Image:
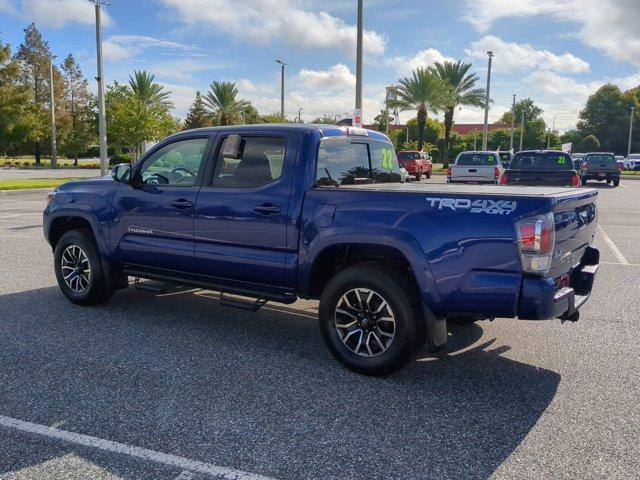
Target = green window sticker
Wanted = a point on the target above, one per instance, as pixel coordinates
(562, 160)
(387, 159)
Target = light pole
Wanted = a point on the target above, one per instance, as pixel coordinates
(102, 121)
(359, 59)
(521, 130)
(300, 115)
(475, 141)
(54, 149)
(282, 65)
(553, 129)
(486, 107)
(513, 121)
(630, 132)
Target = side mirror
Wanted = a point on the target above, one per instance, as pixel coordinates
(121, 172)
(232, 147)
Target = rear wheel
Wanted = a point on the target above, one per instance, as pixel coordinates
(418, 176)
(428, 175)
(616, 182)
(584, 180)
(368, 320)
(78, 269)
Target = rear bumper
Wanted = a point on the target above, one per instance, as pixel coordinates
(541, 300)
(602, 175)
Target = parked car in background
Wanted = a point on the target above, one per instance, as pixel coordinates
(475, 167)
(633, 161)
(620, 161)
(577, 160)
(541, 168)
(600, 166)
(416, 163)
(505, 158)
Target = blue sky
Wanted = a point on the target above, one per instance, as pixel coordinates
(557, 52)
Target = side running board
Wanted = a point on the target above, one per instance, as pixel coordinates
(242, 304)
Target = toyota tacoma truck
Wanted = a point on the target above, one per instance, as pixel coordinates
(600, 166)
(281, 212)
(541, 168)
(475, 167)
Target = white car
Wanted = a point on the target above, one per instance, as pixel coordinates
(475, 167)
(633, 162)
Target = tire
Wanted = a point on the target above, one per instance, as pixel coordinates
(608, 181)
(584, 180)
(376, 354)
(428, 175)
(616, 182)
(76, 255)
(418, 176)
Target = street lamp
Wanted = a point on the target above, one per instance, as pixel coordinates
(282, 65)
(553, 129)
(513, 122)
(102, 121)
(54, 146)
(630, 132)
(300, 115)
(486, 107)
(359, 59)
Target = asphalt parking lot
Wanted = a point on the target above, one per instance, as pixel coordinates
(175, 386)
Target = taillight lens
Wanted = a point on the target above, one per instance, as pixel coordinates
(584, 166)
(536, 241)
(496, 172)
(575, 180)
(503, 179)
(449, 172)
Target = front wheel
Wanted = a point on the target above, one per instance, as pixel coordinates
(428, 175)
(79, 270)
(369, 320)
(418, 176)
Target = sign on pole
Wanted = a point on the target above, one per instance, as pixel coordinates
(566, 148)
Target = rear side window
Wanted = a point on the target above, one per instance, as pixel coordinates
(258, 161)
(541, 161)
(600, 158)
(477, 159)
(408, 156)
(345, 162)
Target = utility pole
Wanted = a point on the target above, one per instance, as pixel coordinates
(102, 121)
(475, 141)
(513, 121)
(521, 130)
(54, 147)
(485, 135)
(553, 129)
(282, 65)
(359, 59)
(630, 132)
(300, 115)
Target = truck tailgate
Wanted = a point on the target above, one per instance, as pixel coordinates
(575, 222)
(551, 178)
(473, 173)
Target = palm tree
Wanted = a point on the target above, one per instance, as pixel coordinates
(424, 92)
(461, 91)
(221, 100)
(144, 88)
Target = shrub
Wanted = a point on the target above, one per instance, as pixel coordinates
(120, 158)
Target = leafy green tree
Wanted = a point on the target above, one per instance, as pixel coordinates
(198, 117)
(144, 87)
(590, 143)
(461, 91)
(382, 120)
(19, 122)
(606, 115)
(79, 109)
(223, 103)
(424, 92)
(534, 126)
(250, 115)
(33, 55)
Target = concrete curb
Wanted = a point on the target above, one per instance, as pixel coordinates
(24, 191)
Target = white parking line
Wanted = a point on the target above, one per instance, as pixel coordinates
(122, 448)
(623, 186)
(614, 248)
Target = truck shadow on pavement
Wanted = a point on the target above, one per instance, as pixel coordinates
(258, 392)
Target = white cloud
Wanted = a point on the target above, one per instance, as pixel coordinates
(338, 77)
(6, 6)
(608, 25)
(115, 52)
(422, 59)
(59, 13)
(513, 57)
(121, 47)
(266, 21)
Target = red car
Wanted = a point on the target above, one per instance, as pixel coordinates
(416, 163)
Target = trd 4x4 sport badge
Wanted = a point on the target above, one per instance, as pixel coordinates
(488, 206)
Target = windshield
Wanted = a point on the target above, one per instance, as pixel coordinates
(541, 161)
(408, 156)
(604, 158)
(476, 159)
(342, 161)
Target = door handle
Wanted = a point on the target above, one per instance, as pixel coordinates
(182, 204)
(267, 208)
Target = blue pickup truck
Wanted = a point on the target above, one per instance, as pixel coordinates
(280, 212)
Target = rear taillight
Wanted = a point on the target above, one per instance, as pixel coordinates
(503, 179)
(449, 172)
(575, 180)
(584, 166)
(536, 241)
(496, 172)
